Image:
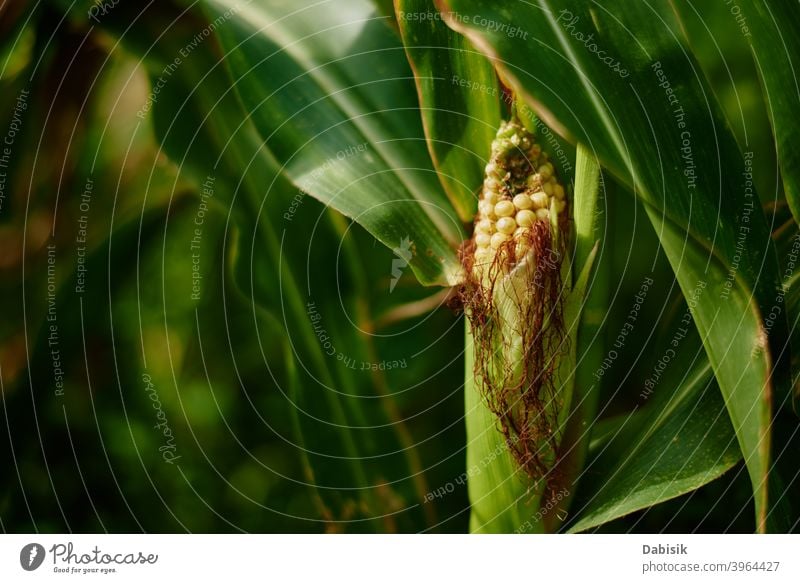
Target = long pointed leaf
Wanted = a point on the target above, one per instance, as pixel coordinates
(673, 448)
(773, 31)
(460, 98)
(333, 97)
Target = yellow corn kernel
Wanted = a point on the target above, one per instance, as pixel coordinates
(504, 208)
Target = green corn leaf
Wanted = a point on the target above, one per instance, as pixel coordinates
(773, 31)
(650, 129)
(676, 444)
(587, 198)
(459, 96)
(585, 309)
(336, 106)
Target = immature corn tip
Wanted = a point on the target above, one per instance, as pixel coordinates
(519, 189)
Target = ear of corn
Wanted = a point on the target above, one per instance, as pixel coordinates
(515, 294)
(520, 338)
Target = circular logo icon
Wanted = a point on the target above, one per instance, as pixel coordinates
(31, 556)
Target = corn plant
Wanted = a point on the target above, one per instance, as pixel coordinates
(490, 142)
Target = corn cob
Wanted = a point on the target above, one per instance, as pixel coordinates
(514, 293)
